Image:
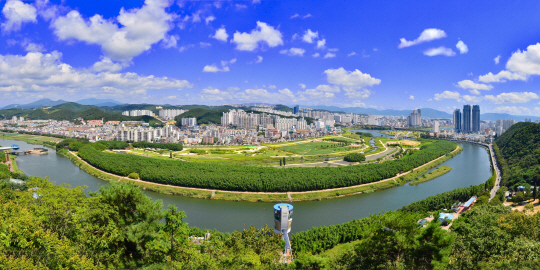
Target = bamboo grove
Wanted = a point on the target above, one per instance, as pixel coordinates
(258, 179)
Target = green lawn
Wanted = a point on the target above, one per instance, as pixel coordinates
(316, 148)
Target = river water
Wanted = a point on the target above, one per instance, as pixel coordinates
(471, 167)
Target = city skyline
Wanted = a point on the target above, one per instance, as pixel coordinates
(285, 52)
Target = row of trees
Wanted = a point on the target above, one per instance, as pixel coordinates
(257, 179)
(170, 146)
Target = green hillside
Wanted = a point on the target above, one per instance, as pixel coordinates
(204, 116)
(69, 112)
(520, 150)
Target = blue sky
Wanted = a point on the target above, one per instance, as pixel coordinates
(407, 55)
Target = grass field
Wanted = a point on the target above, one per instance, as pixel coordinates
(316, 148)
(31, 139)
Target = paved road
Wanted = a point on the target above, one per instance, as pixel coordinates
(495, 166)
(499, 175)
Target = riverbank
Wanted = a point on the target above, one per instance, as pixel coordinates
(432, 175)
(318, 195)
(31, 139)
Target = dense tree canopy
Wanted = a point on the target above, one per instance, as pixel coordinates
(170, 146)
(354, 157)
(518, 152)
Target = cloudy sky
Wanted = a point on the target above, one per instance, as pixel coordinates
(342, 53)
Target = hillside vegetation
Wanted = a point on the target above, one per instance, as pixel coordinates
(68, 111)
(519, 153)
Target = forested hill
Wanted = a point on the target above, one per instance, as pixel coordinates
(67, 113)
(520, 149)
(204, 116)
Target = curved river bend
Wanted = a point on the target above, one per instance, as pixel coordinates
(471, 167)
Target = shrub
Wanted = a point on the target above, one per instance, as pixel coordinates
(133, 175)
(354, 157)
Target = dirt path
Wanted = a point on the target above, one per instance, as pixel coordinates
(281, 193)
(8, 162)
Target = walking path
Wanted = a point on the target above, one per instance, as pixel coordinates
(495, 166)
(8, 162)
(289, 194)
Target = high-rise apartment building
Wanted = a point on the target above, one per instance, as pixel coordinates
(414, 119)
(189, 121)
(457, 121)
(507, 124)
(170, 114)
(296, 109)
(466, 125)
(138, 113)
(243, 120)
(475, 123)
(436, 126)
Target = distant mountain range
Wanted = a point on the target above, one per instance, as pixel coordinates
(426, 112)
(49, 103)
(115, 106)
(99, 102)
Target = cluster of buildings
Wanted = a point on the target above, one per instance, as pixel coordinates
(138, 113)
(414, 119)
(170, 113)
(167, 114)
(468, 121)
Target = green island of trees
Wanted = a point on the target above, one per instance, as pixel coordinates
(257, 179)
(354, 157)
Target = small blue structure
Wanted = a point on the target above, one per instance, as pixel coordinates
(445, 217)
(521, 188)
(15, 147)
(35, 195)
(469, 202)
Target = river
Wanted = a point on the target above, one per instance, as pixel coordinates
(471, 167)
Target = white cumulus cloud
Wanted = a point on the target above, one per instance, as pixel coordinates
(140, 29)
(462, 47)
(264, 33)
(411, 97)
(309, 36)
(329, 55)
(350, 79)
(497, 59)
(221, 34)
(502, 76)
(321, 43)
(315, 55)
(426, 36)
(46, 73)
(16, 13)
(214, 68)
(439, 51)
(106, 64)
(258, 60)
(468, 84)
(512, 110)
(512, 97)
(526, 62)
(448, 95)
(293, 52)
